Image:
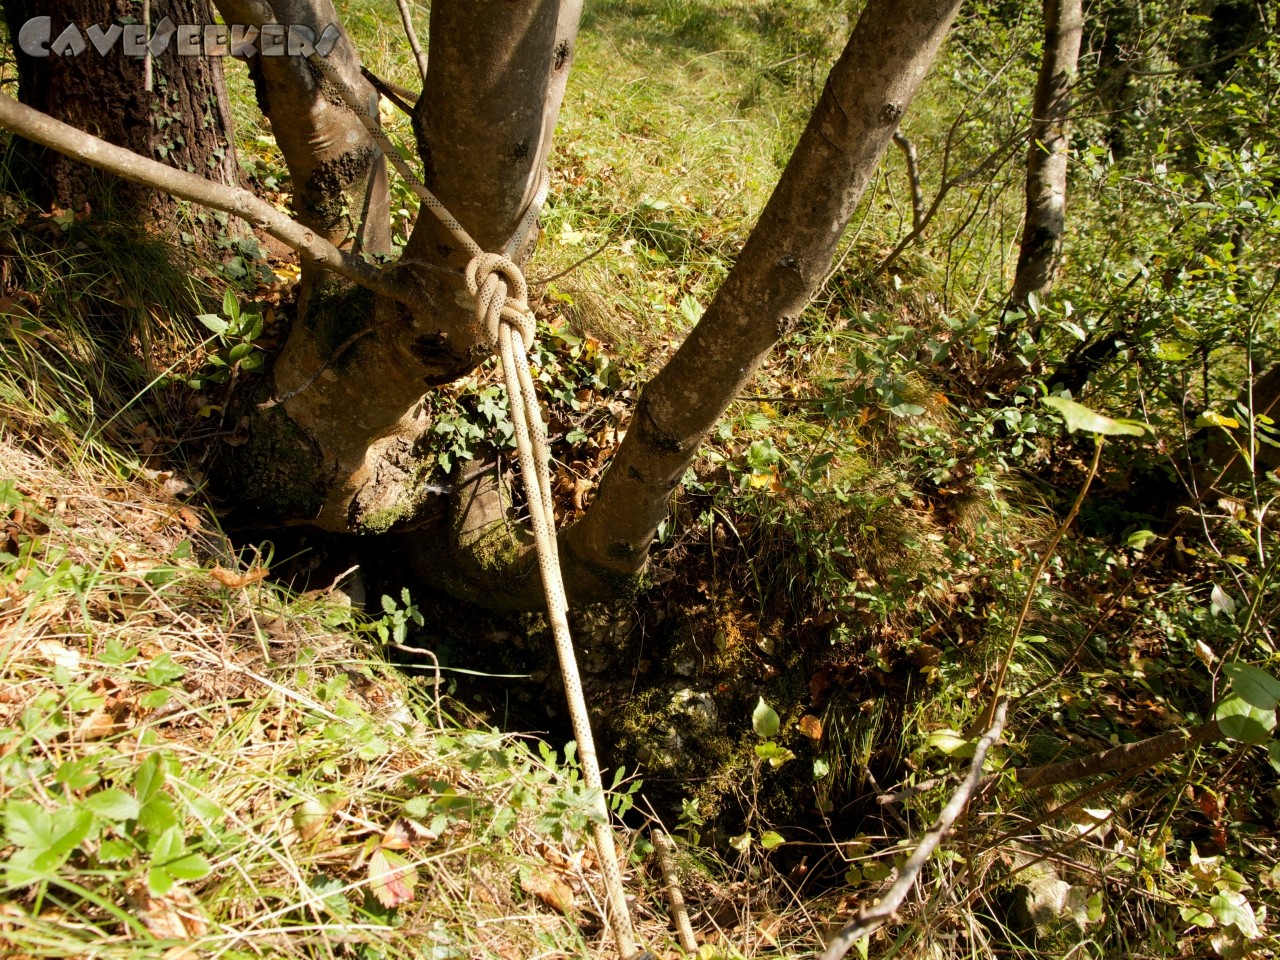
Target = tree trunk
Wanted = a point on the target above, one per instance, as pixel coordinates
(185, 121)
(1041, 252)
(334, 443)
(777, 273)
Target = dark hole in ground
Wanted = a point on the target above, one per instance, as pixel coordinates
(502, 668)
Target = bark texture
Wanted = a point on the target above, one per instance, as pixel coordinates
(347, 384)
(1040, 254)
(776, 275)
(185, 121)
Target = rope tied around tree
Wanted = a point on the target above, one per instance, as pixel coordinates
(506, 324)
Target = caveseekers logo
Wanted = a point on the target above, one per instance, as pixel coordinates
(188, 40)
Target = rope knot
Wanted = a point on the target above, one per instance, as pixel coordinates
(489, 277)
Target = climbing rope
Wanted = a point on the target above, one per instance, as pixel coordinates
(507, 326)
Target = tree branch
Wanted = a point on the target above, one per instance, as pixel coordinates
(51, 133)
(406, 17)
(913, 177)
(870, 919)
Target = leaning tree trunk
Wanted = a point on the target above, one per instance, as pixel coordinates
(1041, 252)
(778, 272)
(184, 121)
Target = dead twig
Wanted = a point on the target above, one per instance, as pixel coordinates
(406, 18)
(870, 919)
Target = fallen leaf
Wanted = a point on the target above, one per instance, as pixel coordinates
(234, 581)
(391, 878)
(551, 890)
(59, 655)
(811, 727)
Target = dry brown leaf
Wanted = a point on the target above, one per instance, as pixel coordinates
(175, 916)
(768, 929)
(811, 727)
(233, 580)
(548, 888)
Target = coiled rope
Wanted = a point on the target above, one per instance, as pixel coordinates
(507, 326)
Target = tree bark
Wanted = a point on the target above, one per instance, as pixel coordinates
(1040, 254)
(335, 444)
(184, 121)
(776, 275)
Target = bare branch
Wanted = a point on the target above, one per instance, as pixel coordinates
(870, 919)
(1131, 757)
(406, 17)
(913, 177)
(88, 149)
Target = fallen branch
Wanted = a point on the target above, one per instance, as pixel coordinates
(870, 919)
(1133, 757)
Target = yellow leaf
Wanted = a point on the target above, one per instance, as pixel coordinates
(569, 237)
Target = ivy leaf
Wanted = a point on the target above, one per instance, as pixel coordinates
(1253, 685)
(764, 720)
(1238, 719)
(1079, 417)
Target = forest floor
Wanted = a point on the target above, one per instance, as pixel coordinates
(240, 745)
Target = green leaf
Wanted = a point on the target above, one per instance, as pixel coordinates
(764, 720)
(1079, 417)
(1139, 539)
(769, 839)
(48, 838)
(820, 768)
(1253, 684)
(114, 851)
(214, 322)
(1238, 719)
(114, 653)
(114, 805)
(78, 774)
(1233, 910)
(742, 842)
(239, 352)
(1273, 755)
(171, 862)
(163, 671)
(1220, 602)
(950, 743)
(1198, 916)
(230, 306)
(24, 823)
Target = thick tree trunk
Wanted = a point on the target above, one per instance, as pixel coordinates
(185, 121)
(334, 445)
(776, 275)
(1041, 252)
